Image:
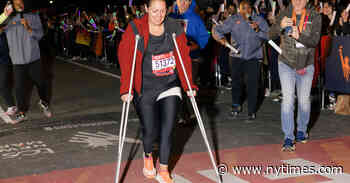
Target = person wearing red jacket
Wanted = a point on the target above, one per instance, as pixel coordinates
(158, 79)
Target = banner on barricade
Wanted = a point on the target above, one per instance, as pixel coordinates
(338, 66)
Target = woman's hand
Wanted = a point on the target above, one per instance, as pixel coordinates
(8, 10)
(125, 97)
(286, 22)
(345, 16)
(194, 93)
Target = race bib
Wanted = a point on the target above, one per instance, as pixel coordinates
(163, 64)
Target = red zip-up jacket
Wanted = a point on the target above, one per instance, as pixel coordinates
(126, 51)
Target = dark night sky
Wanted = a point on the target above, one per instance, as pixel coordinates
(64, 5)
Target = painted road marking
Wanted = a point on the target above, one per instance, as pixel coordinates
(19, 150)
(227, 178)
(82, 125)
(180, 179)
(99, 139)
(91, 68)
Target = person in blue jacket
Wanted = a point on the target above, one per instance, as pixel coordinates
(198, 38)
(195, 29)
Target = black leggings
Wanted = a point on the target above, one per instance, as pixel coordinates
(5, 84)
(22, 74)
(157, 120)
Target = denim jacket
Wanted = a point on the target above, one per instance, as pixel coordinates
(243, 36)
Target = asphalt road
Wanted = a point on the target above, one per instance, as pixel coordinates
(83, 132)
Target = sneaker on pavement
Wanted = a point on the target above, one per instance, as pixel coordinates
(163, 176)
(288, 145)
(19, 117)
(276, 99)
(301, 137)
(251, 117)
(148, 167)
(11, 111)
(227, 86)
(45, 108)
(236, 109)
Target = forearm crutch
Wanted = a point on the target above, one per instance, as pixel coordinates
(125, 114)
(195, 108)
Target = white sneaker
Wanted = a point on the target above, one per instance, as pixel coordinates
(11, 111)
(75, 58)
(45, 109)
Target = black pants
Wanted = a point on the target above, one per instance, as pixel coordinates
(83, 50)
(157, 120)
(250, 69)
(273, 67)
(6, 84)
(33, 72)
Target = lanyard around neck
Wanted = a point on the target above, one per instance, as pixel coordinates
(302, 22)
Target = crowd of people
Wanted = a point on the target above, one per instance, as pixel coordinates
(227, 41)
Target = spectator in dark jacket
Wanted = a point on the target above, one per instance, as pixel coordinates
(343, 27)
(5, 75)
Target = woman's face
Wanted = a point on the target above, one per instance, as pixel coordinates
(299, 4)
(327, 9)
(156, 12)
(18, 5)
(183, 5)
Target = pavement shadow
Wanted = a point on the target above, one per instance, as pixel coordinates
(206, 103)
(181, 135)
(315, 113)
(212, 113)
(132, 154)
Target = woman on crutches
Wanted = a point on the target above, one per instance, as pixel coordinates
(157, 79)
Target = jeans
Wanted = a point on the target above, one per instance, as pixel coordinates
(289, 81)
